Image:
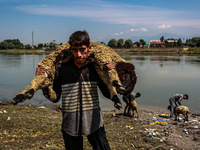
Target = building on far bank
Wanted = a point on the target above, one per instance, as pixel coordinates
(156, 43)
(146, 46)
(137, 44)
(170, 42)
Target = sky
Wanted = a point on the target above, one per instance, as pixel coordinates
(56, 20)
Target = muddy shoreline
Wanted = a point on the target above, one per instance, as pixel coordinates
(33, 127)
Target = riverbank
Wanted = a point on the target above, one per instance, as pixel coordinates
(24, 51)
(159, 51)
(136, 51)
(32, 127)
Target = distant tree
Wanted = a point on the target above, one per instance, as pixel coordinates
(193, 42)
(28, 46)
(143, 42)
(198, 44)
(180, 42)
(4, 45)
(186, 41)
(45, 45)
(52, 45)
(102, 43)
(17, 44)
(162, 39)
(120, 43)
(11, 45)
(128, 43)
(112, 43)
(40, 46)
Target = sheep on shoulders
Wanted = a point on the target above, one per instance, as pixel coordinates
(99, 55)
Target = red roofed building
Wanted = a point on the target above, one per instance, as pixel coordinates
(156, 43)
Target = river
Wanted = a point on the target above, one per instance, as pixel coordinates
(159, 77)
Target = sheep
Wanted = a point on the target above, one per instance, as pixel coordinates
(99, 55)
(181, 110)
(132, 106)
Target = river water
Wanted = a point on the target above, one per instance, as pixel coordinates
(159, 77)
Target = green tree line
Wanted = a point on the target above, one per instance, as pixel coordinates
(113, 43)
(121, 43)
(16, 44)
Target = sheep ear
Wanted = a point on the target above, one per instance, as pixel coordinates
(90, 47)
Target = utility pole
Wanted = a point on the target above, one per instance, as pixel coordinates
(32, 39)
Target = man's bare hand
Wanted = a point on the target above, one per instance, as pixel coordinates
(40, 70)
(110, 66)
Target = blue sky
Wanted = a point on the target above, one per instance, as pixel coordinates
(103, 19)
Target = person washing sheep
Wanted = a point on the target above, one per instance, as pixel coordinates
(175, 100)
(129, 96)
(76, 81)
(131, 104)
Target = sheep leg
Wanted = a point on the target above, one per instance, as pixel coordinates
(30, 90)
(104, 77)
(50, 94)
(186, 117)
(136, 109)
(133, 113)
(115, 81)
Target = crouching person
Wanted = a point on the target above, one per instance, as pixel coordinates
(175, 100)
(131, 104)
(77, 82)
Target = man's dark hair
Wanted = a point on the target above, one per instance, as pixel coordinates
(79, 38)
(138, 94)
(186, 96)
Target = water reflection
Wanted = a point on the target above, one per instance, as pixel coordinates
(159, 77)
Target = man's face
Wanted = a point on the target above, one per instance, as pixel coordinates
(80, 54)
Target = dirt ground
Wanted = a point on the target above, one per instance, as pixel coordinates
(31, 127)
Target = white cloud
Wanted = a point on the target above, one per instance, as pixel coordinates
(116, 34)
(164, 26)
(115, 13)
(120, 33)
(144, 29)
(132, 30)
(138, 29)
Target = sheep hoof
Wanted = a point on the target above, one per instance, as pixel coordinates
(29, 94)
(18, 98)
(118, 105)
(120, 89)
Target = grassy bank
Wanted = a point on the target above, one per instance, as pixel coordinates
(136, 51)
(23, 51)
(29, 127)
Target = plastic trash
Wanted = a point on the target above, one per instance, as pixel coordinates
(8, 118)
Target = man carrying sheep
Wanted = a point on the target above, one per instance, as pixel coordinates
(176, 98)
(77, 82)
